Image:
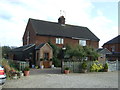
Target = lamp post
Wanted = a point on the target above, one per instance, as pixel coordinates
(63, 54)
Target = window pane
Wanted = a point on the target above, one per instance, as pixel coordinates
(62, 41)
(82, 42)
(59, 41)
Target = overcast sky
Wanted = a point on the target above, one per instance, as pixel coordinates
(100, 16)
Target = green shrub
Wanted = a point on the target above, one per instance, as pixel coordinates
(96, 66)
(36, 67)
(67, 68)
(84, 65)
(26, 69)
(106, 66)
(56, 62)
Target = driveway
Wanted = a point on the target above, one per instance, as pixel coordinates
(73, 80)
(45, 71)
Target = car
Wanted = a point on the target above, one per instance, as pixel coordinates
(2, 75)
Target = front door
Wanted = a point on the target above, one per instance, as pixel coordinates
(46, 56)
(46, 60)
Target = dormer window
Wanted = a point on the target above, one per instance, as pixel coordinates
(59, 40)
(28, 37)
(82, 42)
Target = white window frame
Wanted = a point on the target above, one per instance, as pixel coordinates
(59, 41)
(82, 42)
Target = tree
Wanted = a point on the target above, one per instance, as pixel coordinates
(80, 52)
(5, 51)
(76, 52)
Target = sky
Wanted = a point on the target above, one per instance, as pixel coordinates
(100, 16)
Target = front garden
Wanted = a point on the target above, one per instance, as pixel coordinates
(14, 69)
(78, 59)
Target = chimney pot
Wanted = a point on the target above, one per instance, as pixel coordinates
(61, 20)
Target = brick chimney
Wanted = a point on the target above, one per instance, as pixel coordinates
(61, 20)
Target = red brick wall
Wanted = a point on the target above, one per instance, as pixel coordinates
(32, 34)
(93, 44)
(109, 47)
(73, 42)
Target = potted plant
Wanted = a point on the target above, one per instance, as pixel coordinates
(26, 71)
(84, 67)
(42, 66)
(67, 70)
(36, 67)
(106, 67)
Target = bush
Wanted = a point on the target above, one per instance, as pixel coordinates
(37, 67)
(84, 65)
(106, 66)
(56, 62)
(96, 66)
(67, 68)
(26, 69)
(9, 66)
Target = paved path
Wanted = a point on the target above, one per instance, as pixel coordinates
(73, 80)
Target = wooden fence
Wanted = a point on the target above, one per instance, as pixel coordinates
(75, 66)
(113, 65)
(20, 65)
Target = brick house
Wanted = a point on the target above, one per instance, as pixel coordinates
(113, 45)
(40, 32)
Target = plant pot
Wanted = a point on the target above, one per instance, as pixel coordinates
(42, 67)
(105, 70)
(52, 66)
(26, 73)
(14, 76)
(33, 66)
(67, 71)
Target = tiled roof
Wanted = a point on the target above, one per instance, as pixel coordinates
(114, 40)
(46, 28)
(23, 48)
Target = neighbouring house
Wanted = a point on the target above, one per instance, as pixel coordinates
(39, 33)
(113, 45)
(103, 52)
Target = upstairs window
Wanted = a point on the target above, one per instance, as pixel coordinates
(59, 41)
(82, 42)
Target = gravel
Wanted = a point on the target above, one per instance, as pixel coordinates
(72, 80)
